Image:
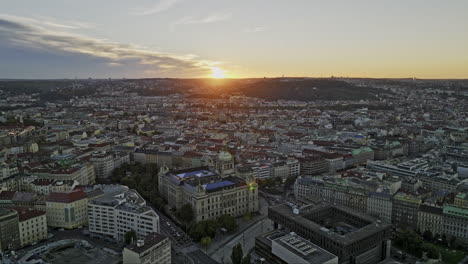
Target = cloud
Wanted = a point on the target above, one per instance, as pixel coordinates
(212, 18)
(159, 7)
(39, 35)
(256, 29)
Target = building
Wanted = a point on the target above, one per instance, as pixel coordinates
(455, 221)
(294, 167)
(80, 172)
(153, 249)
(32, 226)
(120, 210)
(380, 205)
(67, 210)
(103, 164)
(313, 165)
(46, 186)
(210, 193)
(281, 248)
(355, 237)
(9, 232)
(405, 210)
(461, 200)
(431, 218)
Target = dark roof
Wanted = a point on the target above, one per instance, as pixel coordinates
(430, 209)
(66, 197)
(27, 213)
(7, 195)
(150, 240)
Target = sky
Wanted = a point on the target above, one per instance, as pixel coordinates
(233, 38)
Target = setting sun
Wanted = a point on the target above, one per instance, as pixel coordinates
(217, 73)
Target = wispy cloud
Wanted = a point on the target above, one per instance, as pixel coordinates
(256, 29)
(159, 7)
(212, 18)
(36, 34)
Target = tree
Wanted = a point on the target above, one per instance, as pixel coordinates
(444, 239)
(186, 213)
(227, 222)
(247, 216)
(237, 254)
(427, 235)
(431, 250)
(203, 229)
(205, 242)
(452, 241)
(289, 181)
(130, 236)
(246, 259)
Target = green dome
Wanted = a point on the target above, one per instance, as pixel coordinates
(224, 156)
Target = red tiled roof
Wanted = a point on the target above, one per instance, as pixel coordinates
(27, 213)
(66, 197)
(7, 195)
(43, 182)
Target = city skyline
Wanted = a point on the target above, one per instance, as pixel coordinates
(241, 39)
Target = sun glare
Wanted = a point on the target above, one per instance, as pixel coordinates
(217, 73)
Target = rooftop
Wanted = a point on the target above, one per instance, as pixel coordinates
(149, 241)
(66, 197)
(341, 224)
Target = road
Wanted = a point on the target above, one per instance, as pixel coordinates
(178, 237)
(199, 257)
(246, 239)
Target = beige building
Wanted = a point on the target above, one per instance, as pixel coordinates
(67, 210)
(32, 226)
(154, 249)
(211, 192)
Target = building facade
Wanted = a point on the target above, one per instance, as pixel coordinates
(153, 249)
(67, 210)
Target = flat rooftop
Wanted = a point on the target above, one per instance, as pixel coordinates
(345, 225)
(297, 245)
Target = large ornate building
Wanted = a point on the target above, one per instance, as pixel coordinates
(211, 190)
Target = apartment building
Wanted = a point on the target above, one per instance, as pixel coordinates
(9, 232)
(32, 226)
(67, 210)
(119, 210)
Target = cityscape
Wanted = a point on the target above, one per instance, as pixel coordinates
(113, 151)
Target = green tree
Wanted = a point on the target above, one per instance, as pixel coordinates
(427, 235)
(444, 239)
(227, 222)
(130, 236)
(247, 216)
(431, 250)
(452, 241)
(205, 242)
(289, 181)
(185, 213)
(246, 259)
(237, 254)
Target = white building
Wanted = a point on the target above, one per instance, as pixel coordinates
(120, 210)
